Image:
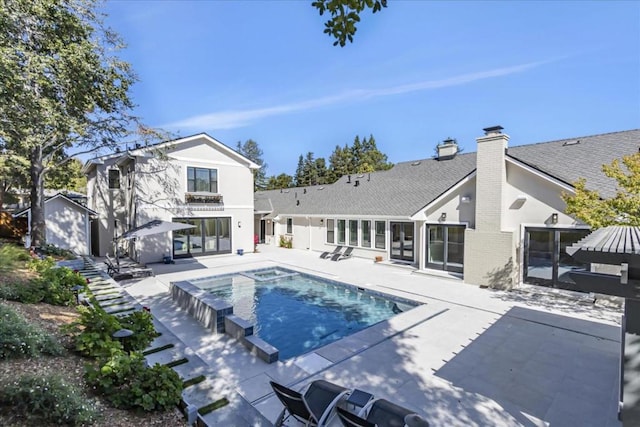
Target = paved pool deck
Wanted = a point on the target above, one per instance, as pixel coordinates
(466, 357)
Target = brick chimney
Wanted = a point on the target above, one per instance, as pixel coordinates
(490, 257)
(447, 149)
(491, 179)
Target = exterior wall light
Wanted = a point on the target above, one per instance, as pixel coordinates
(443, 216)
(239, 224)
(554, 218)
(321, 221)
(465, 199)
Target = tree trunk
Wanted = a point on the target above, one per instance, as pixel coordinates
(36, 172)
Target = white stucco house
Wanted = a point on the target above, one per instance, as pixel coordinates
(195, 180)
(67, 224)
(494, 217)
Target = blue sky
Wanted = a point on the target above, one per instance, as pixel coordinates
(417, 73)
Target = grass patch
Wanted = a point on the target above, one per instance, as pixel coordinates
(213, 406)
(193, 381)
(157, 349)
(177, 363)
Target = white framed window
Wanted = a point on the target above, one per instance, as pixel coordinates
(365, 227)
(380, 234)
(289, 225)
(353, 232)
(331, 233)
(114, 179)
(341, 231)
(202, 180)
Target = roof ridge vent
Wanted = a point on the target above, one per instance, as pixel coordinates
(571, 142)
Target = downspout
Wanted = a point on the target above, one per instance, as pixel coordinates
(87, 231)
(310, 232)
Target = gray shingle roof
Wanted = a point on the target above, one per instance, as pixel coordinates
(398, 192)
(583, 157)
(409, 186)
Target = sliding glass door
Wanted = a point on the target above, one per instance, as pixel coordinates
(209, 236)
(445, 247)
(546, 261)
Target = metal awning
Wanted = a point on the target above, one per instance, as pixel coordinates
(154, 227)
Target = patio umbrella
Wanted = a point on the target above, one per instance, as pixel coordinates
(154, 227)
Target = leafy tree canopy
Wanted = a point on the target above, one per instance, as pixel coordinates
(362, 157)
(281, 181)
(622, 209)
(345, 14)
(62, 88)
(67, 177)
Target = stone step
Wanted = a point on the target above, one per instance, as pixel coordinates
(105, 291)
(165, 356)
(123, 300)
(109, 297)
(238, 412)
(120, 309)
(203, 393)
(192, 369)
(103, 284)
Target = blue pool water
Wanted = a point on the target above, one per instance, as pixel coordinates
(297, 313)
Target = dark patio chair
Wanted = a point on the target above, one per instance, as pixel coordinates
(346, 254)
(327, 254)
(314, 407)
(381, 413)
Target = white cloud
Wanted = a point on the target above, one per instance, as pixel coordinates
(231, 119)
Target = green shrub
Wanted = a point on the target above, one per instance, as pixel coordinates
(94, 329)
(13, 255)
(52, 250)
(47, 400)
(127, 383)
(141, 324)
(92, 332)
(57, 283)
(40, 265)
(53, 285)
(18, 338)
(29, 292)
(286, 242)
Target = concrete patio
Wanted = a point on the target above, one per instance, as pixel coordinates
(467, 357)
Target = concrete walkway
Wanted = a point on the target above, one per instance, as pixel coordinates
(467, 357)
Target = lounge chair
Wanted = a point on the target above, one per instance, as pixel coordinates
(327, 254)
(313, 408)
(346, 254)
(381, 413)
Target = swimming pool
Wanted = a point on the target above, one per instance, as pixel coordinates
(297, 312)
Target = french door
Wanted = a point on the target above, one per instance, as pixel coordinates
(210, 236)
(546, 261)
(402, 241)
